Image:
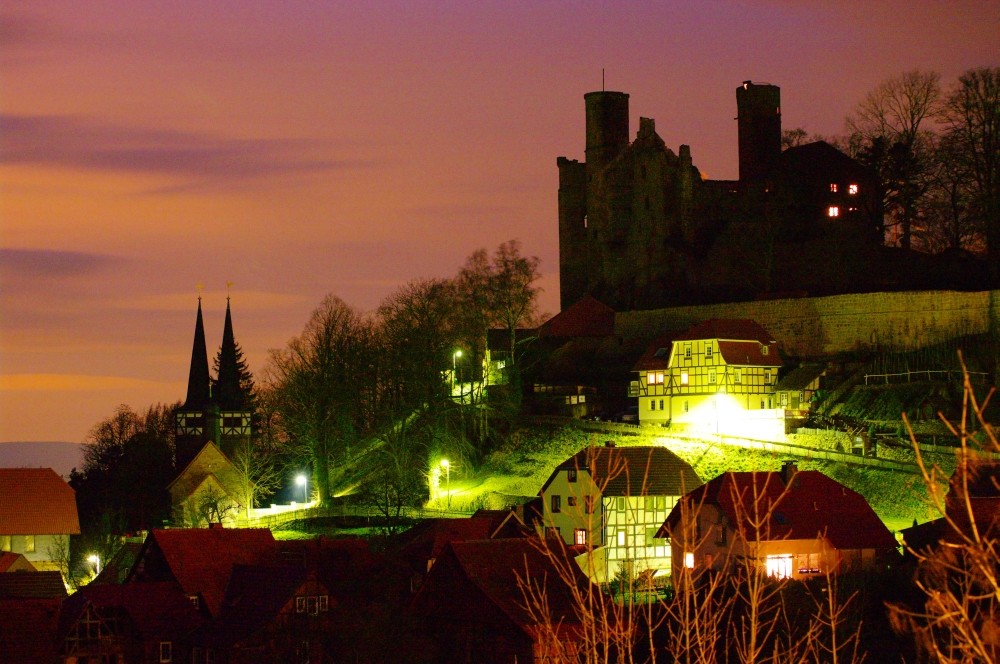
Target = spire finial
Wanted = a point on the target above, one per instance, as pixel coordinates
(229, 286)
(199, 287)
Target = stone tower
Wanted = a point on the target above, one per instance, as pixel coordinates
(758, 113)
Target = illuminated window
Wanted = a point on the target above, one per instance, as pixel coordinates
(737, 376)
(684, 378)
(29, 543)
(654, 378)
(833, 211)
(689, 560)
(780, 567)
(767, 376)
(579, 536)
(621, 538)
(571, 475)
(764, 349)
(4, 542)
(711, 375)
(166, 651)
(833, 187)
(852, 189)
(556, 503)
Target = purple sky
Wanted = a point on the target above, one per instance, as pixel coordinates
(303, 148)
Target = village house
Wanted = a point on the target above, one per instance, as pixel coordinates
(610, 501)
(37, 516)
(793, 524)
(717, 377)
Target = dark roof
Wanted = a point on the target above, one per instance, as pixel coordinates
(36, 501)
(201, 559)
(157, 611)
(800, 377)
(632, 471)
(209, 461)
(730, 329)
(814, 505)
(32, 585)
(657, 355)
(587, 317)
(749, 354)
(28, 629)
(496, 568)
(428, 539)
(118, 567)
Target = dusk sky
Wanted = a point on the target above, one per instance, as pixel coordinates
(297, 149)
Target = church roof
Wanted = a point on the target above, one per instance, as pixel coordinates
(199, 381)
(228, 395)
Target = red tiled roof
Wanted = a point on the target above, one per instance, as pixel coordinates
(36, 501)
(586, 317)
(748, 354)
(657, 355)
(14, 562)
(633, 471)
(201, 559)
(32, 584)
(159, 611)
(814, 505)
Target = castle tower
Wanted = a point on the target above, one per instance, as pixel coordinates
(758, 110)
(574, 253)
(229, 396)
(607, 129)
(193, 424)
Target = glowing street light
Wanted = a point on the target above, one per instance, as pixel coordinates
(95, 560)
(303, 482)
(454, 364)
(447, 478)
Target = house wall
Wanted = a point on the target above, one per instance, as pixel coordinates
(807, 327)
(632, 522)
(47, 553)
(570, 517)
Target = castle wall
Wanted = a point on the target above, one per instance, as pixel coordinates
(806, 327)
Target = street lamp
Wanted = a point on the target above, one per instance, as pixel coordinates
(95, 560)
(454, 363)
(303, 482)
(447, 478)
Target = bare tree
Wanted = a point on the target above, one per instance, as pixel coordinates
(258, 471)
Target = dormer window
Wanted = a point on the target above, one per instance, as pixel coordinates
(852, 189)
(764, 349)
(708, 352)
(687, 351)
(833, 211)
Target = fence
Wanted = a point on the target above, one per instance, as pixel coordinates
(939, 375)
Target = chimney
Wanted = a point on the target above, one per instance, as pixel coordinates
(788, 470)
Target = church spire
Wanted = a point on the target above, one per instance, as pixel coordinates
(199, 389)
(228, 394)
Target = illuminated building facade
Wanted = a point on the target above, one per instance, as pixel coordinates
(717, 377)
(610, 501)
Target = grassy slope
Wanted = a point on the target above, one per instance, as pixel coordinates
(521, 467)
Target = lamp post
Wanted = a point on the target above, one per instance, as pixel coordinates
(95, 560)
(303, 482)
(454, 365)
(447, 479)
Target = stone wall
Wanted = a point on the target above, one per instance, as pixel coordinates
(809, 327)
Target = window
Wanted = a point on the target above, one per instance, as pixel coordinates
(312, 604)
(620, 500)
(4, 542)
(767, 376)
(711, 375)
(685, 406)
(571, 501)
(556, 503)
(579, 536)
(588, 504)
(689, 560)
(833, 211)
(661, 404)
(324, 602)
(621, 538)
(852, 189)
(29, 543)
(721, 539)
(687, 351)
(654, 378)
(651, 537)
(833, 187)
(571, 475)
(166, 651)
(737, 376)
(194, 600)
(684, 378)
(300, 605)
(765, 349)
(652, 404)
(708, 352)
(780, 567)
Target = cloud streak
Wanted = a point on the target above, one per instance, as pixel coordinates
(17, 264)
(86, 144)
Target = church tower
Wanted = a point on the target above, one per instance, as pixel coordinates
(193, 422)
(230, 395)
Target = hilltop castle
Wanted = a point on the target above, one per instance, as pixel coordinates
(218, 411)
(639, 228)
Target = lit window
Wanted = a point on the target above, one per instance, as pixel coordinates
(833, 187)
(621, 538)
(833, 211)
(166, 651)
(571, 475)
(684, 378)
(780, 567)
(654, 378)
(579, 536)
(29, 543)
(852, 189)
(767, 376)
(556, 503)
(764, 349)
(689, 560)
(737, 376)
